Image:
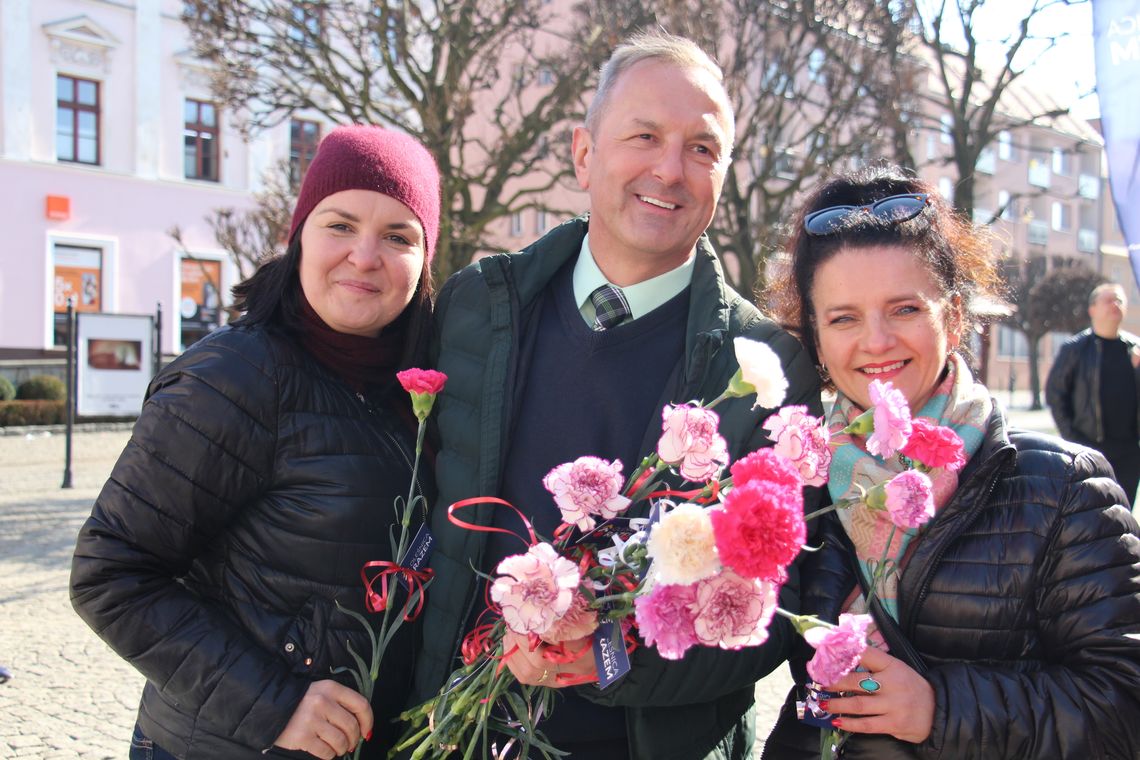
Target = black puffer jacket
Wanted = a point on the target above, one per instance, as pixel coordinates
(1014, 605)
(254, 487)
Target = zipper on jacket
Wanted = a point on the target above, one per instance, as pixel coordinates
(393, 440)
(965, 522)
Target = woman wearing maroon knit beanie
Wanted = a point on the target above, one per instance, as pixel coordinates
(261, 476)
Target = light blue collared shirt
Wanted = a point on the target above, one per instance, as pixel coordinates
(643, 297)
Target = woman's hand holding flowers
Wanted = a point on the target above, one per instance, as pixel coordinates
(329, 721)
(903, 705)
(540, 663)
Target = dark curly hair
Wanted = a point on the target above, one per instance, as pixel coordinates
(958, 255)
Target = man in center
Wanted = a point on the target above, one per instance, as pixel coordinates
(572, 347)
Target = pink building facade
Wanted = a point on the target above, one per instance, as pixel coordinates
(111, 146)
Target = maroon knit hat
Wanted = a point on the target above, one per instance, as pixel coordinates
(363, 157)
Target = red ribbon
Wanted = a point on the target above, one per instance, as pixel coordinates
(490, 528)
(637, 484)
(378, 602)
(695, 494)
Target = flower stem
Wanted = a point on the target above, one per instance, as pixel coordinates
(877, 574)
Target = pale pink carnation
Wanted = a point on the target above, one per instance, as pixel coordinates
(682, 545)
(690, 441)
(580, 620)
(802, 439)
(837, 650)
(760, 530)
(892, 419)
(767, 466)
(910, 499)
(761, 368)
(935, 445)
(586, 487)
(733, 612)
(534, 590)
(665, 619)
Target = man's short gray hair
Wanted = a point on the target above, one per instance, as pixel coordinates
(1103, 287)
(655, 46)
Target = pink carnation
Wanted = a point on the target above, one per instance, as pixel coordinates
(580, 620)
(665, 619)
(733, 612)
(534, 590)
(760, 530)
(801, 438)
(690, 440)
(910, 499)
(892, 419)
(586, 487)
(837, 650)
(766, 466)
(422, 380)
(934, 445)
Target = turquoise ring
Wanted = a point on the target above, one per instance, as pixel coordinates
(869, 684)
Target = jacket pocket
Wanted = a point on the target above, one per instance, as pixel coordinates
(305, 644)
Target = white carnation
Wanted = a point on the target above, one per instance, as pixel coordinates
(760, 367)
(683, 547)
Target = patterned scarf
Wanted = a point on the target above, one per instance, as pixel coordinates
(957, 403)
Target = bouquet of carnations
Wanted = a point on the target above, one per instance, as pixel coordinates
(411, 553)
(704, 569)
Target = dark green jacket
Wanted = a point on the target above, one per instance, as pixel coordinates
(696, 708)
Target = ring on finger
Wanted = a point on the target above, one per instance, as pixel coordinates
(542, 678)
(870, 685)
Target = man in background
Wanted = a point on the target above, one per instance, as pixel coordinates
(1093, 391)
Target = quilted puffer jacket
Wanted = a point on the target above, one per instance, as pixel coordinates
(254, 487)
(1015, 605)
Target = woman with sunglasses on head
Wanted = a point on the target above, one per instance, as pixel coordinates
(1008, 627)
(224, 553)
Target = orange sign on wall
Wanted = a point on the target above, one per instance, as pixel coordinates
(58, 207)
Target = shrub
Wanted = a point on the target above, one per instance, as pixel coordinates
(13, 413)
(7, 390)
(42, 388)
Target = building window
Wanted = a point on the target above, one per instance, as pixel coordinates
(201, 299)
(516, 224)
(200, 150)
(308, 23)
(78, 274)
(946, 188)
(1012, 343)
(947, 129)
(1062, 162)
(815, 62)
(1005, 206)
(77, 120)
(545, 77)
(1007, 151)
(1061, 220)
(540, 221)
(303, 138)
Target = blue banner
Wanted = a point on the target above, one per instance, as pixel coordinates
(1116, 35)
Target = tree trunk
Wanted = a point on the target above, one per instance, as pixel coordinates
(1034, 372)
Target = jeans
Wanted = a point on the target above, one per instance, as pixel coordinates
(143, 748)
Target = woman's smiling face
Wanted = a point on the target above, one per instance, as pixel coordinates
(880, 315)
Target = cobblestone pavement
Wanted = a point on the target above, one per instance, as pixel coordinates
(70, 696)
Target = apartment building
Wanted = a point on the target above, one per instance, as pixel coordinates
(113, 153)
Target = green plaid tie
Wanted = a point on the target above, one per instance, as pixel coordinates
(610, 306)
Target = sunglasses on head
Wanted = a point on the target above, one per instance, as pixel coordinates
(893, 210)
